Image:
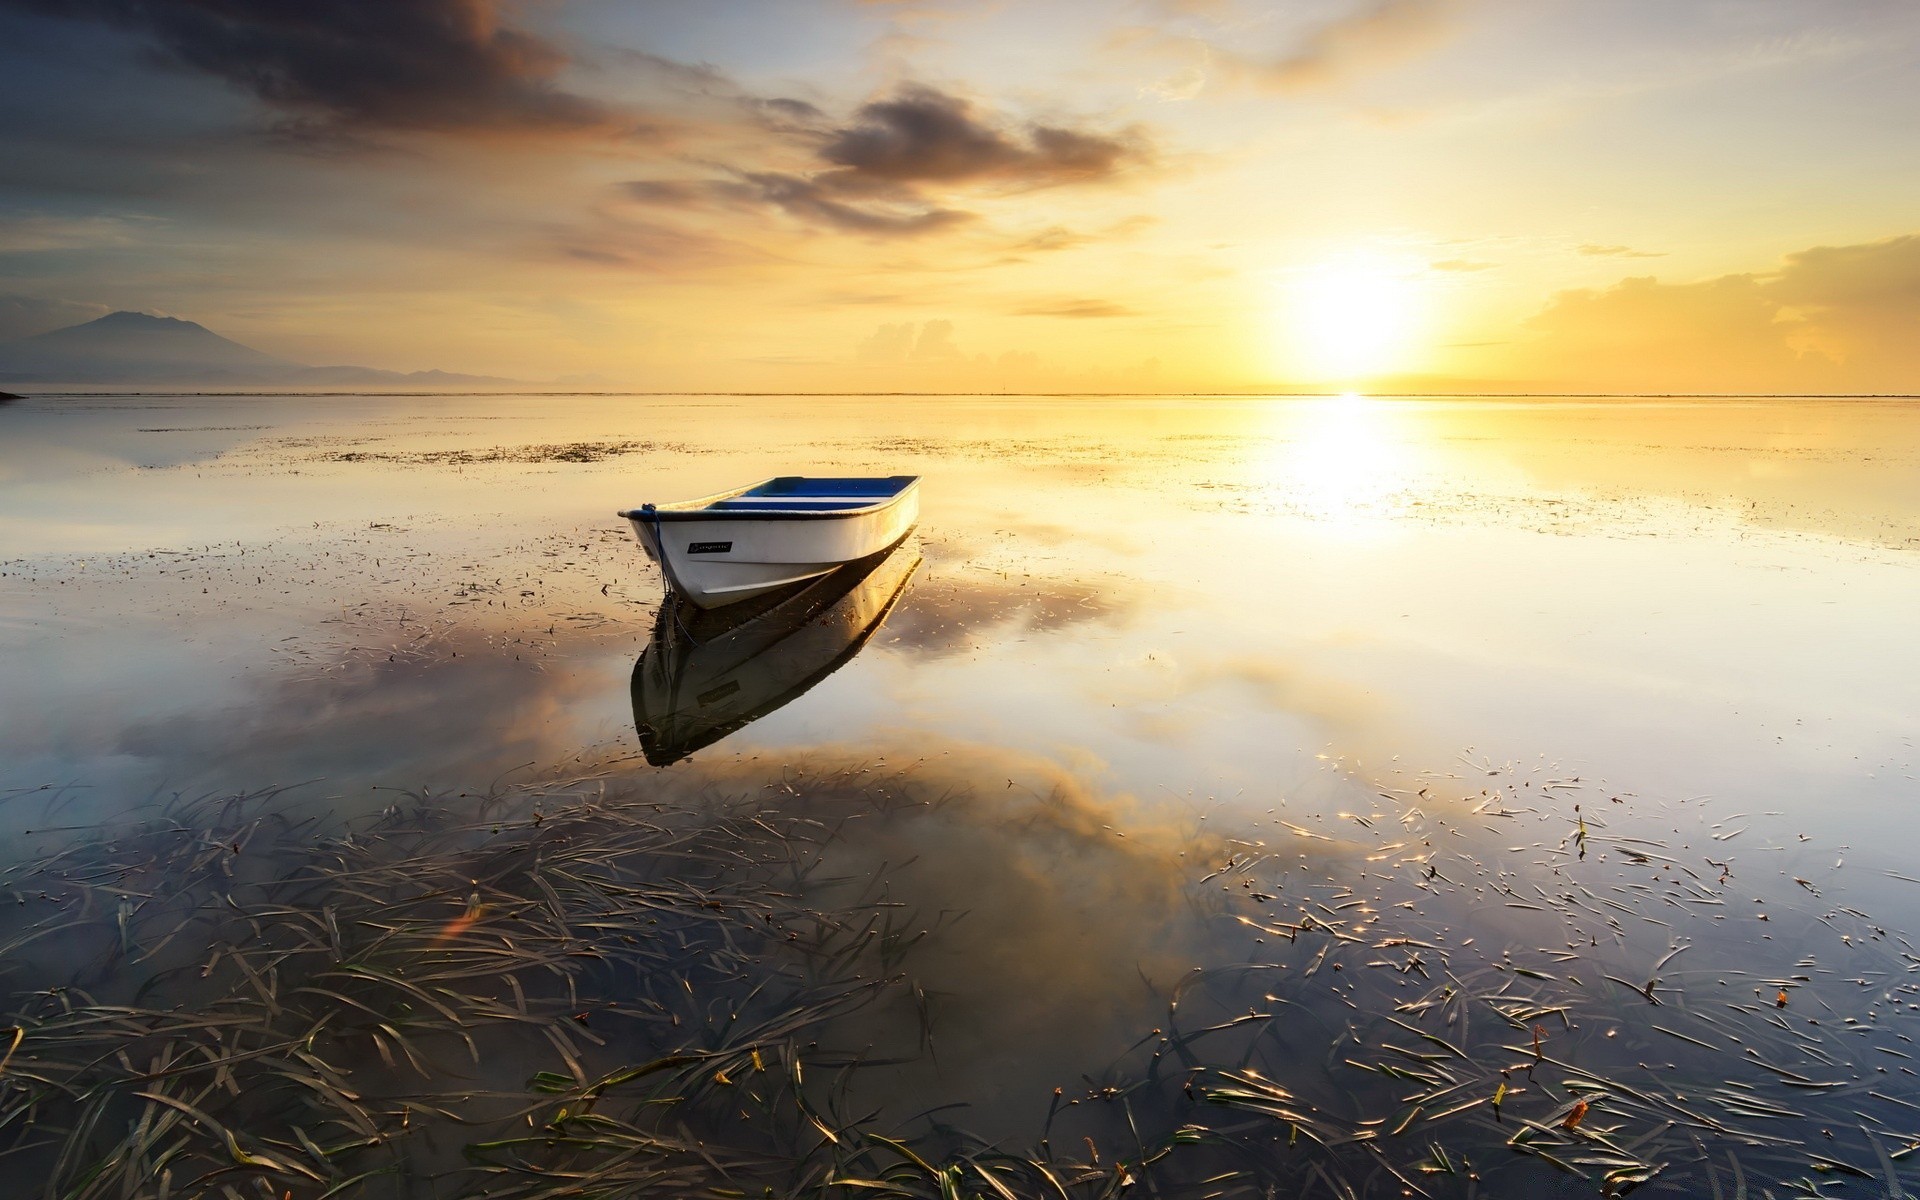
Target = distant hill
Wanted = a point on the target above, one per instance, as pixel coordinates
(133, 348)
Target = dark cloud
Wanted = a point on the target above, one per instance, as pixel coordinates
(878, 175)
(921, 135)
(821, 201)
(360, 65)
(1077, 308)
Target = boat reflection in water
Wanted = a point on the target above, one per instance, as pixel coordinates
(707, 673)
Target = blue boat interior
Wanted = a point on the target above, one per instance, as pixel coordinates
(813, 494)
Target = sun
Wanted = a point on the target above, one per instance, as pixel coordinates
(1351, 318)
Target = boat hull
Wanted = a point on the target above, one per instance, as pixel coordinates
(717, 558)
(694, 685)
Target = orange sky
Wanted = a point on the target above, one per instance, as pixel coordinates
(817, 196)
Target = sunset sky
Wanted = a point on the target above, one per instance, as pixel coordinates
(1607, 195)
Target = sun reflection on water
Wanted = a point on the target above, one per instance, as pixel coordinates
(1345, 460)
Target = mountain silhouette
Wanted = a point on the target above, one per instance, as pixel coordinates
(134, 343)
(129, 347)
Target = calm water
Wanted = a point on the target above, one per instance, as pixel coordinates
(1362, 720)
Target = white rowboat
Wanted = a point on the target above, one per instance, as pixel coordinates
(732, 546)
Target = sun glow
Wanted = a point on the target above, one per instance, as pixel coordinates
(1345, 461)
(1352, 318)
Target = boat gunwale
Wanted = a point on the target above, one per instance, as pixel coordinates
(699, 510)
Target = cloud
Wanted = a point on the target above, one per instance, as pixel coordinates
(786, 108)
(883, 173)
(1077, 308)
(1641, 333)
(1059, 237)
(922, 135)
(1384, 32)
(1860, 304)
(42, 231)
(898, 343)
(935, 343)
(820, 202)
(1368, 38)
(1593, 250)
(642, 245)
(1878, 279)
(896, 213)
(668, 193)
(1460, 264)
(347, 64)
(1054, 237)
(1832, 318)
(889, 343)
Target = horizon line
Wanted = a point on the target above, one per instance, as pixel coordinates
(1230, 395)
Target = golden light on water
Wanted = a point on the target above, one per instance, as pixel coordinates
(1352, 318)
(1343, 459)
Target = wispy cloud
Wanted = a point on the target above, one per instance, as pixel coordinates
(821, 200)
(1076, 308)
(1372, 36)
(1594, 250)
(1379, 34)
(1059, 237)
(42, 231)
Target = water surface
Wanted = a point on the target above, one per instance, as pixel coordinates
(1341, 722)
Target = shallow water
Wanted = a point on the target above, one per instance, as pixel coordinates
(1511, 698)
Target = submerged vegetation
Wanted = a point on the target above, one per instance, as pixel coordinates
(596, 989)
(572, 452)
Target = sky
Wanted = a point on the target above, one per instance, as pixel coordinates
(860, 195)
